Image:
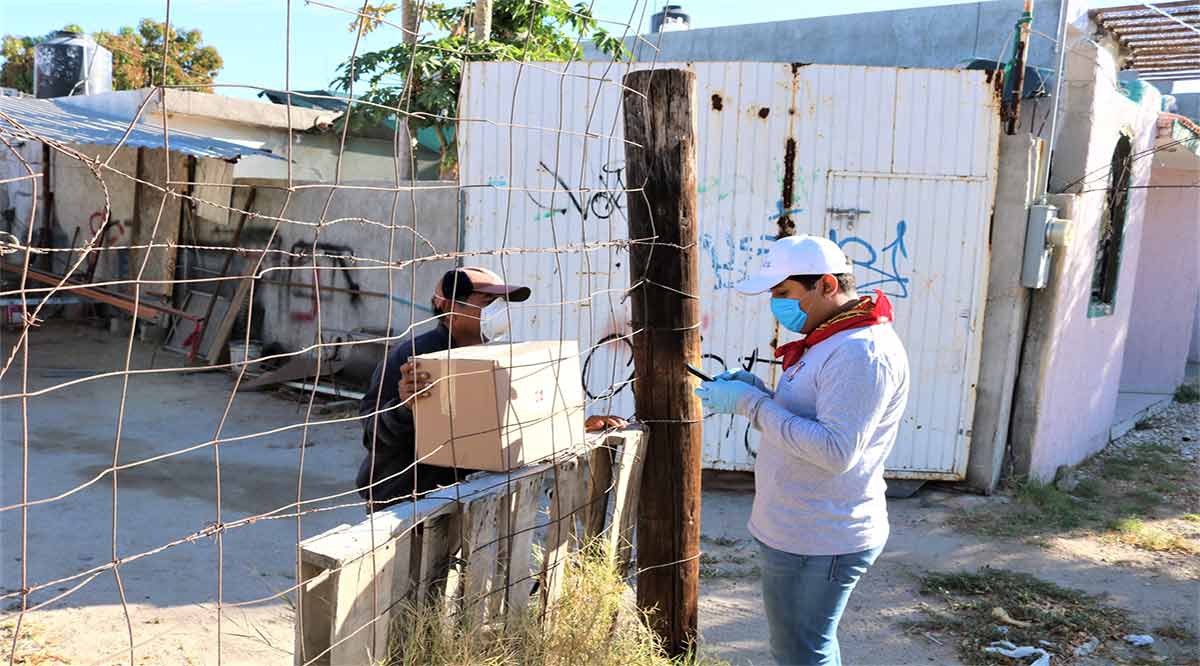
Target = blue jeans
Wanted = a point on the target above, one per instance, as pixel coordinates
(804, 597)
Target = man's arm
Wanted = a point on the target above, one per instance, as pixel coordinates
(853, 389)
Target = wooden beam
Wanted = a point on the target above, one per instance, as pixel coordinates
(144, 310)
(660, 158)
(217, 350)
(237, 238)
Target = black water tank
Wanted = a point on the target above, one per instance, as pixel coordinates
(71, 63)
(672, 17)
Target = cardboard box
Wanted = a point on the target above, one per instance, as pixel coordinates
(501, 406)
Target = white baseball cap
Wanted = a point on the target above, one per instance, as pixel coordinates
(796, 255)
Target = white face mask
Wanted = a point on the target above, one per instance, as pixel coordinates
(494, 320)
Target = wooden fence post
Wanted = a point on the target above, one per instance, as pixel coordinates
(660, 160)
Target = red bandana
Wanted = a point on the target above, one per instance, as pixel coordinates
(865, 313)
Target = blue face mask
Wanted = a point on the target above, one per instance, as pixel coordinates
(788, 313)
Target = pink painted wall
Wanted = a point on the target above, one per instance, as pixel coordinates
(1074, 382)
(1168, 279)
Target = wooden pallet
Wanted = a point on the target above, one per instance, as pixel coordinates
(468, 549)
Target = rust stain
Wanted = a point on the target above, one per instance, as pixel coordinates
(764, 112)
(786, 226)
(717, 102)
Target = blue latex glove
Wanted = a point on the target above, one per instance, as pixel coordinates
(744, 377)
(722, 396)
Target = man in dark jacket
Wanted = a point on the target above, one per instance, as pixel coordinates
(470, 304)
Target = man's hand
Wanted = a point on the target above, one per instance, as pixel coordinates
(745, 377)
(413, 382)
(723, 396)
(599, 423)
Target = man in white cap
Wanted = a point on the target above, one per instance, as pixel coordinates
(471, 305)
(820, 515)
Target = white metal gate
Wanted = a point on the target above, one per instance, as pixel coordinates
(896, 165)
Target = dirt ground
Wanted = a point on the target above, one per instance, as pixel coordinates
(171, 595)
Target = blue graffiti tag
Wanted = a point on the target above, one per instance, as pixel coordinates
(884, 276)
(780, 211)
(734, 266)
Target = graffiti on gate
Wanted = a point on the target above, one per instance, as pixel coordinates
(730, 257)
(601, 202)
(882, 266)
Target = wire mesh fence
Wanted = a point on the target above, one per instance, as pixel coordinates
(297, 266)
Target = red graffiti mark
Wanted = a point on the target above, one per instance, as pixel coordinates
(108, 239)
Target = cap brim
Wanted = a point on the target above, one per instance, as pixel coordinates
(509, 292)
(759, 284)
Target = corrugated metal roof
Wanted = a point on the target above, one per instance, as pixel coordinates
(1162, 40)
(37, 119)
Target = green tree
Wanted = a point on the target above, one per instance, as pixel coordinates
(522, 30)
(137, 57)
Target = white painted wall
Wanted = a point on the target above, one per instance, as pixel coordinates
(914, 148)
(260, 125)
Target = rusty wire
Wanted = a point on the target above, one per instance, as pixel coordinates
(304, 260)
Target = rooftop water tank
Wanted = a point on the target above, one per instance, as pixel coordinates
(71, 63)
(672, 17)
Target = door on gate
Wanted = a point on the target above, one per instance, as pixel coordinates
(897, 165)
(908, 238)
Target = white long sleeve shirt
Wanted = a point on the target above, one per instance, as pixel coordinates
(833, 419)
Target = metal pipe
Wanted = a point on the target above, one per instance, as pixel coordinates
(1018, 70)
(1044, 186)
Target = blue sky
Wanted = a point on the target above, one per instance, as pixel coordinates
(250, 34)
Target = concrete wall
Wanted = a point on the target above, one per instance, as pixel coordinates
(80, 200)
(1005, 313)
(351, 226)
(1168, 278)
(22, 196)
(260, 125)
(1055, 423)
(314, 156)
(925, 37)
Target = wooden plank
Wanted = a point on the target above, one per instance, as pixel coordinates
(314, 625)
(346, 542)
(630, 454)
(481, 532)
(568, 494)
(439, 540)
(600, 477)
(218, 349)
(521, 518)
(297, 367)
(424, 534)
(403, 581)
(237, 239)
(362, 597)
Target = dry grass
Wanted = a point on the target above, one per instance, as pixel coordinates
(32, 649)
(594, 622)
(1142, 496)
(1042, 610)
(1135, 532)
